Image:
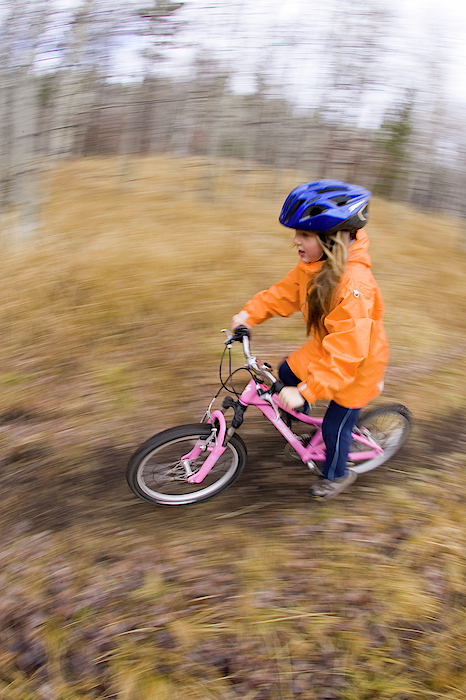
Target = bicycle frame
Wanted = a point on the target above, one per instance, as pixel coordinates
(314, 451)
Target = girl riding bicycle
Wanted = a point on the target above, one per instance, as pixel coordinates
(345, 357)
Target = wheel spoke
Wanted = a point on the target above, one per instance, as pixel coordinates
(388, 427)
(158, 473)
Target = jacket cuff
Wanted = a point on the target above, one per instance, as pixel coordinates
(308, 394)
(249, 320)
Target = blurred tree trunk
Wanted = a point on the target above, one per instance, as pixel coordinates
(208, 118)
(157, 24)
(431, 130)
(356, 52)
(20, 167)
(25, 167)
(77, 86)
(394, 148)
(128, 100)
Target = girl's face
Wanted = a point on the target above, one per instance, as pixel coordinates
(308, 246)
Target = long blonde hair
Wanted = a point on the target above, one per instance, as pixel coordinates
(321, 290)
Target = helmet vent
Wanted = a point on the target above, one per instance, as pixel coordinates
(313, 210)
(325, 206)
(341, 200)
(293, 209)
(331, 188)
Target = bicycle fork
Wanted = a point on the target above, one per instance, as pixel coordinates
(216, 449)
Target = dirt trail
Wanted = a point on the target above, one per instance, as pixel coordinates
(42, 491)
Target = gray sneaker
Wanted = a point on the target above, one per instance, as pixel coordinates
(326, 489)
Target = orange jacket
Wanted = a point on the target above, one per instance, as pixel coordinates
(348, 364)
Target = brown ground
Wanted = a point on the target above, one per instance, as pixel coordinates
(48, 494)
(88, 562)
(259, 593)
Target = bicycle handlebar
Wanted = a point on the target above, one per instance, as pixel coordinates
(242, 335)
(241, 332)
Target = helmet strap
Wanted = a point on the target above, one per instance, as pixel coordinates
(328, 245)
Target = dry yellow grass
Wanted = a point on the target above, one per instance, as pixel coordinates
(151, 261)
(110, 325)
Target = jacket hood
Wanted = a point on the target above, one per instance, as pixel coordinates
(357, 253)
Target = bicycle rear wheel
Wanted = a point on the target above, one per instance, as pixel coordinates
(388, 426)
(155, 472)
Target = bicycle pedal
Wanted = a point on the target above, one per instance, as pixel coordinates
(314, 468)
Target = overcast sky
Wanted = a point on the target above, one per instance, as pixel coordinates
(241, 32)
(281, 37)
(447, 19)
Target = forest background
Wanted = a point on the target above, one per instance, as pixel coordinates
(139, 211)
(347, 90)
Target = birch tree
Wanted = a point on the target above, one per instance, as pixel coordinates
(355, 52)
(21, 33)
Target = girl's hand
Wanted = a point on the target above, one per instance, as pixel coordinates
(291, 398)
(240, 320)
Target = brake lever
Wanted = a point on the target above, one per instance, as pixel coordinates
(229, 337)
(267, 397)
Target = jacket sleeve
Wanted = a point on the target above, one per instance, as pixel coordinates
(282, 299)
(346, 345)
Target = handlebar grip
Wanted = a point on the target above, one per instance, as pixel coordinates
(276, 387)
(240, 332)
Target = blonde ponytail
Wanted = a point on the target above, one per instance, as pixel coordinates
(321, 290)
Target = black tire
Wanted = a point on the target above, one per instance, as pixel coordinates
(389, 426)
(154, 472)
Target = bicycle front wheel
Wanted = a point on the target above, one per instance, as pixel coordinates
(155, 472)
(388, 426)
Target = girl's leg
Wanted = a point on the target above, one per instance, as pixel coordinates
(337, 426)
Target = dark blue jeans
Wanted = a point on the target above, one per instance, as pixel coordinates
(336, 428)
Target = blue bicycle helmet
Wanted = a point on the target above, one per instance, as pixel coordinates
(326, 206)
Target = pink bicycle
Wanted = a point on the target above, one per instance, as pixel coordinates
(189, 463)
